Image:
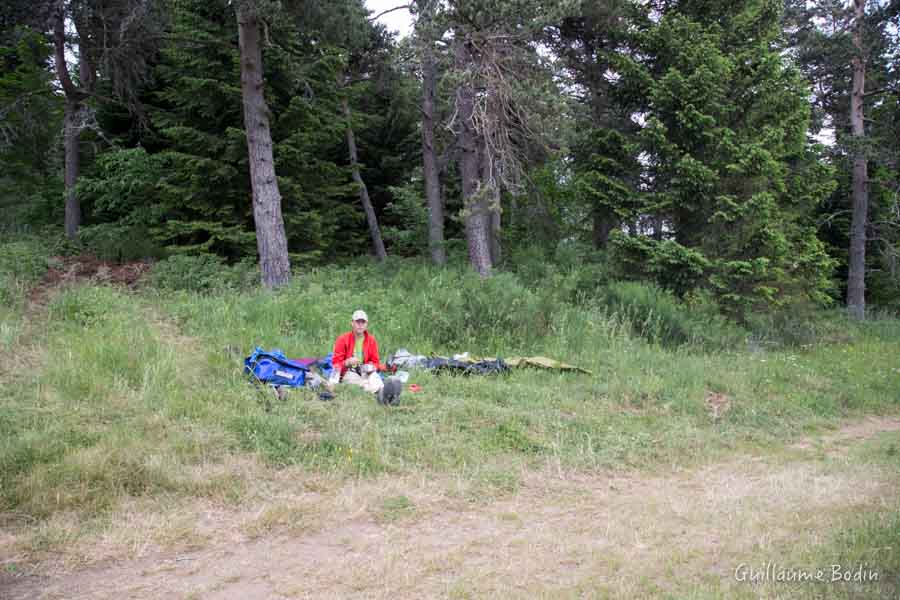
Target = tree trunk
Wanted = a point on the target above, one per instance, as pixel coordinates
(374, 230)
(495, 224)
(474, 201)
(74, 95)
(429, 160)
(271, 241)
(604, 223)
(492, 201)
(70, 144)
(856, 280)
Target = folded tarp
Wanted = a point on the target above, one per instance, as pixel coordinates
(542, 362)
(403, 358)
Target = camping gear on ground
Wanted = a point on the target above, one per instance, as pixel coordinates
(274, 368)
(389, 395)
(313, 380)
(324, 365)
(542, 362)
(483, 367)
(404, 358)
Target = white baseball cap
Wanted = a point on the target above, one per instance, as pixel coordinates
(360, 315)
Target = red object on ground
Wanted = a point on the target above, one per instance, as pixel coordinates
(414, 388)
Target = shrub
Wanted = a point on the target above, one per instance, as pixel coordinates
(673, 266)
(656, 315)
(499, 311)
(798, 325)
(119, 243)
(202, 273)
(409, 210)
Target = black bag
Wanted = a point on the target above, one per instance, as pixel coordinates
(482, 367)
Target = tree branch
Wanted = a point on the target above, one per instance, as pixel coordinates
(59, 45)
(883, 90)
(390, 10)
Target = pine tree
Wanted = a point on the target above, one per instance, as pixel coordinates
(848, 54)
(504, 99)
(30, 119)
(731, 181)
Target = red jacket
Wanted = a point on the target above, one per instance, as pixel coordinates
(343, 349)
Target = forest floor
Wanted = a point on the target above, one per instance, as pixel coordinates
(708, 531)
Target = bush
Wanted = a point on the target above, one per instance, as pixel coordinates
(673, 266)
(498, 311)
(202, 273)
(119, 243)
(409, 210)
(657, 316)
(798, 325)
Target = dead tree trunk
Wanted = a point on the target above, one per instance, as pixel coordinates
(371, 218)
(271, 241)
(856, 279)
(475, 207)
(429, 159)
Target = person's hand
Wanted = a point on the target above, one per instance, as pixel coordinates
(351, 362)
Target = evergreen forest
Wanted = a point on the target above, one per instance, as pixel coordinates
(741, 155)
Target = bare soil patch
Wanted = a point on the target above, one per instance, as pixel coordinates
(65, 270)
(560, 534)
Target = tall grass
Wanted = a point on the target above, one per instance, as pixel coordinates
(135, 394)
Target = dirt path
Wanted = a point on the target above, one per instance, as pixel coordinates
(561, 534)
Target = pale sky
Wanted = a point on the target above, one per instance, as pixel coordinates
(399, 20)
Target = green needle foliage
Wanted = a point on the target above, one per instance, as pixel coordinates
(731, 181)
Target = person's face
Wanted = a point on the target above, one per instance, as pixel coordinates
(359, 326)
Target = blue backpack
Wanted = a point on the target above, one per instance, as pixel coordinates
(274, 368)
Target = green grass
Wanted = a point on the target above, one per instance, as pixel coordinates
(115, 395)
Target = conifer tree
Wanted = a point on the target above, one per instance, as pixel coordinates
(848, 53)
(504, 99)
(30, 119)
(112, 41)
(731, 181)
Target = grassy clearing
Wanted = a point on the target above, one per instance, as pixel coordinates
(117, 397)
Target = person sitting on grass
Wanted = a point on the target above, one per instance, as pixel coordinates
(355, 361)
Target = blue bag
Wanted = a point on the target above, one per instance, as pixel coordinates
(324, 365)
(274, 368)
